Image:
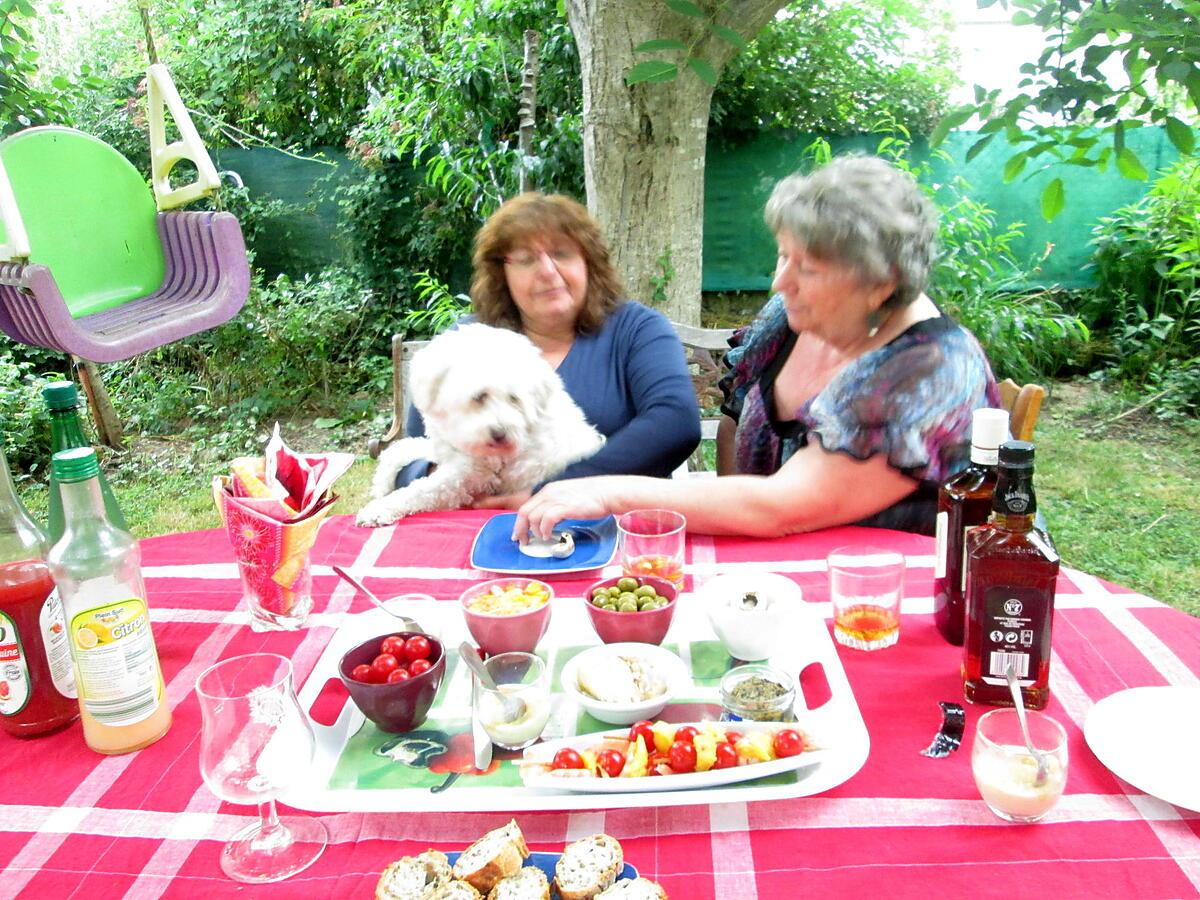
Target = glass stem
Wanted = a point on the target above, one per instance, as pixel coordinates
(272, 834)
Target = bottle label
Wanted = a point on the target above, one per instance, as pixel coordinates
(943, 546)
(115, 662)
(985, 456)
(58, 647)
(14, 669)
(1016, 632)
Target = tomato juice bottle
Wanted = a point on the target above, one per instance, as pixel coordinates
(1012, 568)
(37, 684)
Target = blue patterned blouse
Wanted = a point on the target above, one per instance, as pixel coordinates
(911, 400)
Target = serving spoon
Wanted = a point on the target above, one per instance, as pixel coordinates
(1042, 759)
(511, 708)
(409, 624)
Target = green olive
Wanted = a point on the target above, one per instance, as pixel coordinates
(614, 591)
(599, 592)
(646, 591)
(628, 597)
(600, 601)
(628, 606)
(627, 584)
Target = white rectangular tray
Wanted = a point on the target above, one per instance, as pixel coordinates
(837, 725)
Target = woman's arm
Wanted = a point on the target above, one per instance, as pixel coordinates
(814, 489)
(665, 427)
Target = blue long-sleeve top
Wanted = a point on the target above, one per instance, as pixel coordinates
(631, 380)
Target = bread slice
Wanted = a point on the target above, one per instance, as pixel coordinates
(498, 854)
(414, 877)
(633, 889)
(457, 890)
(587, 867)
(528, 884)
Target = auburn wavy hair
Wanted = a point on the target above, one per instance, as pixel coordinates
(534, 216)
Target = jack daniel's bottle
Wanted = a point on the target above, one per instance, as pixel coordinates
(1011, 570)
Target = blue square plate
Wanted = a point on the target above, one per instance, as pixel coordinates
(547, 861)
(494, 549)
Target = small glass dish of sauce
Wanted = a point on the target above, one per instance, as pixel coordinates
(757, 693)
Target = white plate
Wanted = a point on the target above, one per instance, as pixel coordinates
(1148, 736)
(544, 752)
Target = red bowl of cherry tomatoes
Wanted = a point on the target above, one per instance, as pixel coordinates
(393, 678)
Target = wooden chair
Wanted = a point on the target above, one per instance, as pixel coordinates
(701, 345)
(1023, 404)
(704, 348)
(402, 354)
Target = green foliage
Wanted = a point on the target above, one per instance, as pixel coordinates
(840, 68)
(1089, 111)
(438, 309)
(26, 430)
(654, 70)
(1147, 298)
(22, 101)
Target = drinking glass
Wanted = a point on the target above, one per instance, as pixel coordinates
(255, 742)
(652, 542)
(1006, 773)
(519, 675)
(272, 606)
(865, 584)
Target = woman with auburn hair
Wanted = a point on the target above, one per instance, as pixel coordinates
(541, 268)
(848, 399)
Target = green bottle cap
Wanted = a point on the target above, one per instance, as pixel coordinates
(61, 395)
(76, 464)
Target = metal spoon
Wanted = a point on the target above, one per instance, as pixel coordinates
(409, 624)
(1042, 759)
(511, 708)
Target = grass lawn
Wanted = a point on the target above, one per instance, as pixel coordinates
(1121, 496)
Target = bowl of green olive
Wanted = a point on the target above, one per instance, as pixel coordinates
(632, 609)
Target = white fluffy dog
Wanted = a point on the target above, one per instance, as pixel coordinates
(498, 420)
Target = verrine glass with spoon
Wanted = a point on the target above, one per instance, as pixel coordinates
(255, 742)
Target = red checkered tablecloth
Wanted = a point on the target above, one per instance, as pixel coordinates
(73, 823)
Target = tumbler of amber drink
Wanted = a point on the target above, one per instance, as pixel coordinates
(652, 544)
(865, 585)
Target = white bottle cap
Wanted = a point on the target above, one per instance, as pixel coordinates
(989, 429)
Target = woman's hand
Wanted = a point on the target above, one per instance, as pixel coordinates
(503, 501)
(575, 498)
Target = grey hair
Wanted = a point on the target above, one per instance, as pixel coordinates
(865, 213)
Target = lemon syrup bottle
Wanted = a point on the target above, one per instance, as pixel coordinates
(122, 699)
(1012, 568)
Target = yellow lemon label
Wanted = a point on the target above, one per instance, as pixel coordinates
(116, 664)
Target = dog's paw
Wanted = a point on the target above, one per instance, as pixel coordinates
(374, 515)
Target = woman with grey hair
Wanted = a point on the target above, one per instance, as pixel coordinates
(848, 399)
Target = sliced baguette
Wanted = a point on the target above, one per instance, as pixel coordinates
(528, 884)
(633, 889)
(498, 854)
(414, 877)
(587, 867)
(457, 890)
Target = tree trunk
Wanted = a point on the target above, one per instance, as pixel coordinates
(527, 114)
(644, 145)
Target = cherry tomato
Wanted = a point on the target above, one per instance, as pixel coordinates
(611, 762)
(383, 665)
(362, 673)
(417, 647)
(726, 756)
(733, 737)
(646, 730)
(682, 756)
(400, 674)
(393, 644)
(656, 759)
(788, 742)
(687, 734)
(566, 758)
(417, 666)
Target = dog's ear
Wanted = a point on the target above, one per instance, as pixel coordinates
(426, 374)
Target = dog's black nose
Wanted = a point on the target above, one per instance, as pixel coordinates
(498, 435)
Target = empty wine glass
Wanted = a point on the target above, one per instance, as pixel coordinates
(255, 742)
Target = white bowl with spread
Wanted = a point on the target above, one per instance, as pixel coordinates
(751, 614)
(602, 681)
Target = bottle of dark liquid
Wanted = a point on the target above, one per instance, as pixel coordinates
(964, 501)
(66, 433)
(1011, 570)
